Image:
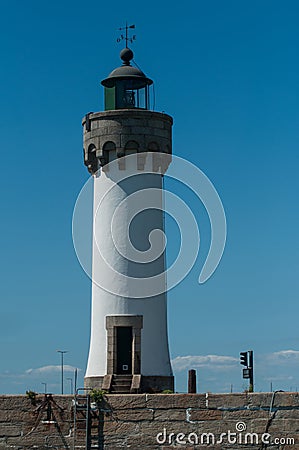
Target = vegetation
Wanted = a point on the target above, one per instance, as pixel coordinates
(32, 396)
(97, 395)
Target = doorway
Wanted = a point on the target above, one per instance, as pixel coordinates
(124, 344)
(124, 340)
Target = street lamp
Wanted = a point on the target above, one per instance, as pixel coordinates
(71, 384)
(62, 353)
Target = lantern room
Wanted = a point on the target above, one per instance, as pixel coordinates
(126, 87)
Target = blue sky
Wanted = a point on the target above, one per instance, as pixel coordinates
(228, 74)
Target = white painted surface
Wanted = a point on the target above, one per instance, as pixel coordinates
(154, 340)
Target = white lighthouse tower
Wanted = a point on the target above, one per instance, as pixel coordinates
(127, 149)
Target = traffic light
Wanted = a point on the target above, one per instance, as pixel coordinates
(244, 359)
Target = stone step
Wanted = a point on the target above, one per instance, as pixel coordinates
(120, 389)
(121, 384)
(122, 377)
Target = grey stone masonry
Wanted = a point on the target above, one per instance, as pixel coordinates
(154, 421)
(119, 132)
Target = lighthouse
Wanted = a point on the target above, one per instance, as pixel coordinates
(127, 150)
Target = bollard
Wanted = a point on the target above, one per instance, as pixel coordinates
(192, 381)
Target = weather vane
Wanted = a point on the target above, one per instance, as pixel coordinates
(126, 37)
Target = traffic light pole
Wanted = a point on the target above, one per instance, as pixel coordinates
(246, 359)
(250, 360)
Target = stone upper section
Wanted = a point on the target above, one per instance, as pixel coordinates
(114, 134)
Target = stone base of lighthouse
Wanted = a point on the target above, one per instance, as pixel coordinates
(138, 384)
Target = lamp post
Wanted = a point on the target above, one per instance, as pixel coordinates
(71, 384)
(62, 353)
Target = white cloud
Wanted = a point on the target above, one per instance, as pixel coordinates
(50, 369)
(283, 357)
(31, 379)
(287, 354)
(219, 362)
(279, 378)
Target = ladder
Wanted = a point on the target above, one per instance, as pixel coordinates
(89, 420)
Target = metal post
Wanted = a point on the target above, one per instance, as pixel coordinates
(45, 384)
(101, 430)
(250, 354)
(88, 423)
(76, 376)
(62, 353)
(71, 385)
(192, 381)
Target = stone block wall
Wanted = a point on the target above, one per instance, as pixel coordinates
(117, 130)
(154, 421)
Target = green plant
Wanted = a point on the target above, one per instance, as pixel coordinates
(32, 396)
(97, 395)
(167, 391)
